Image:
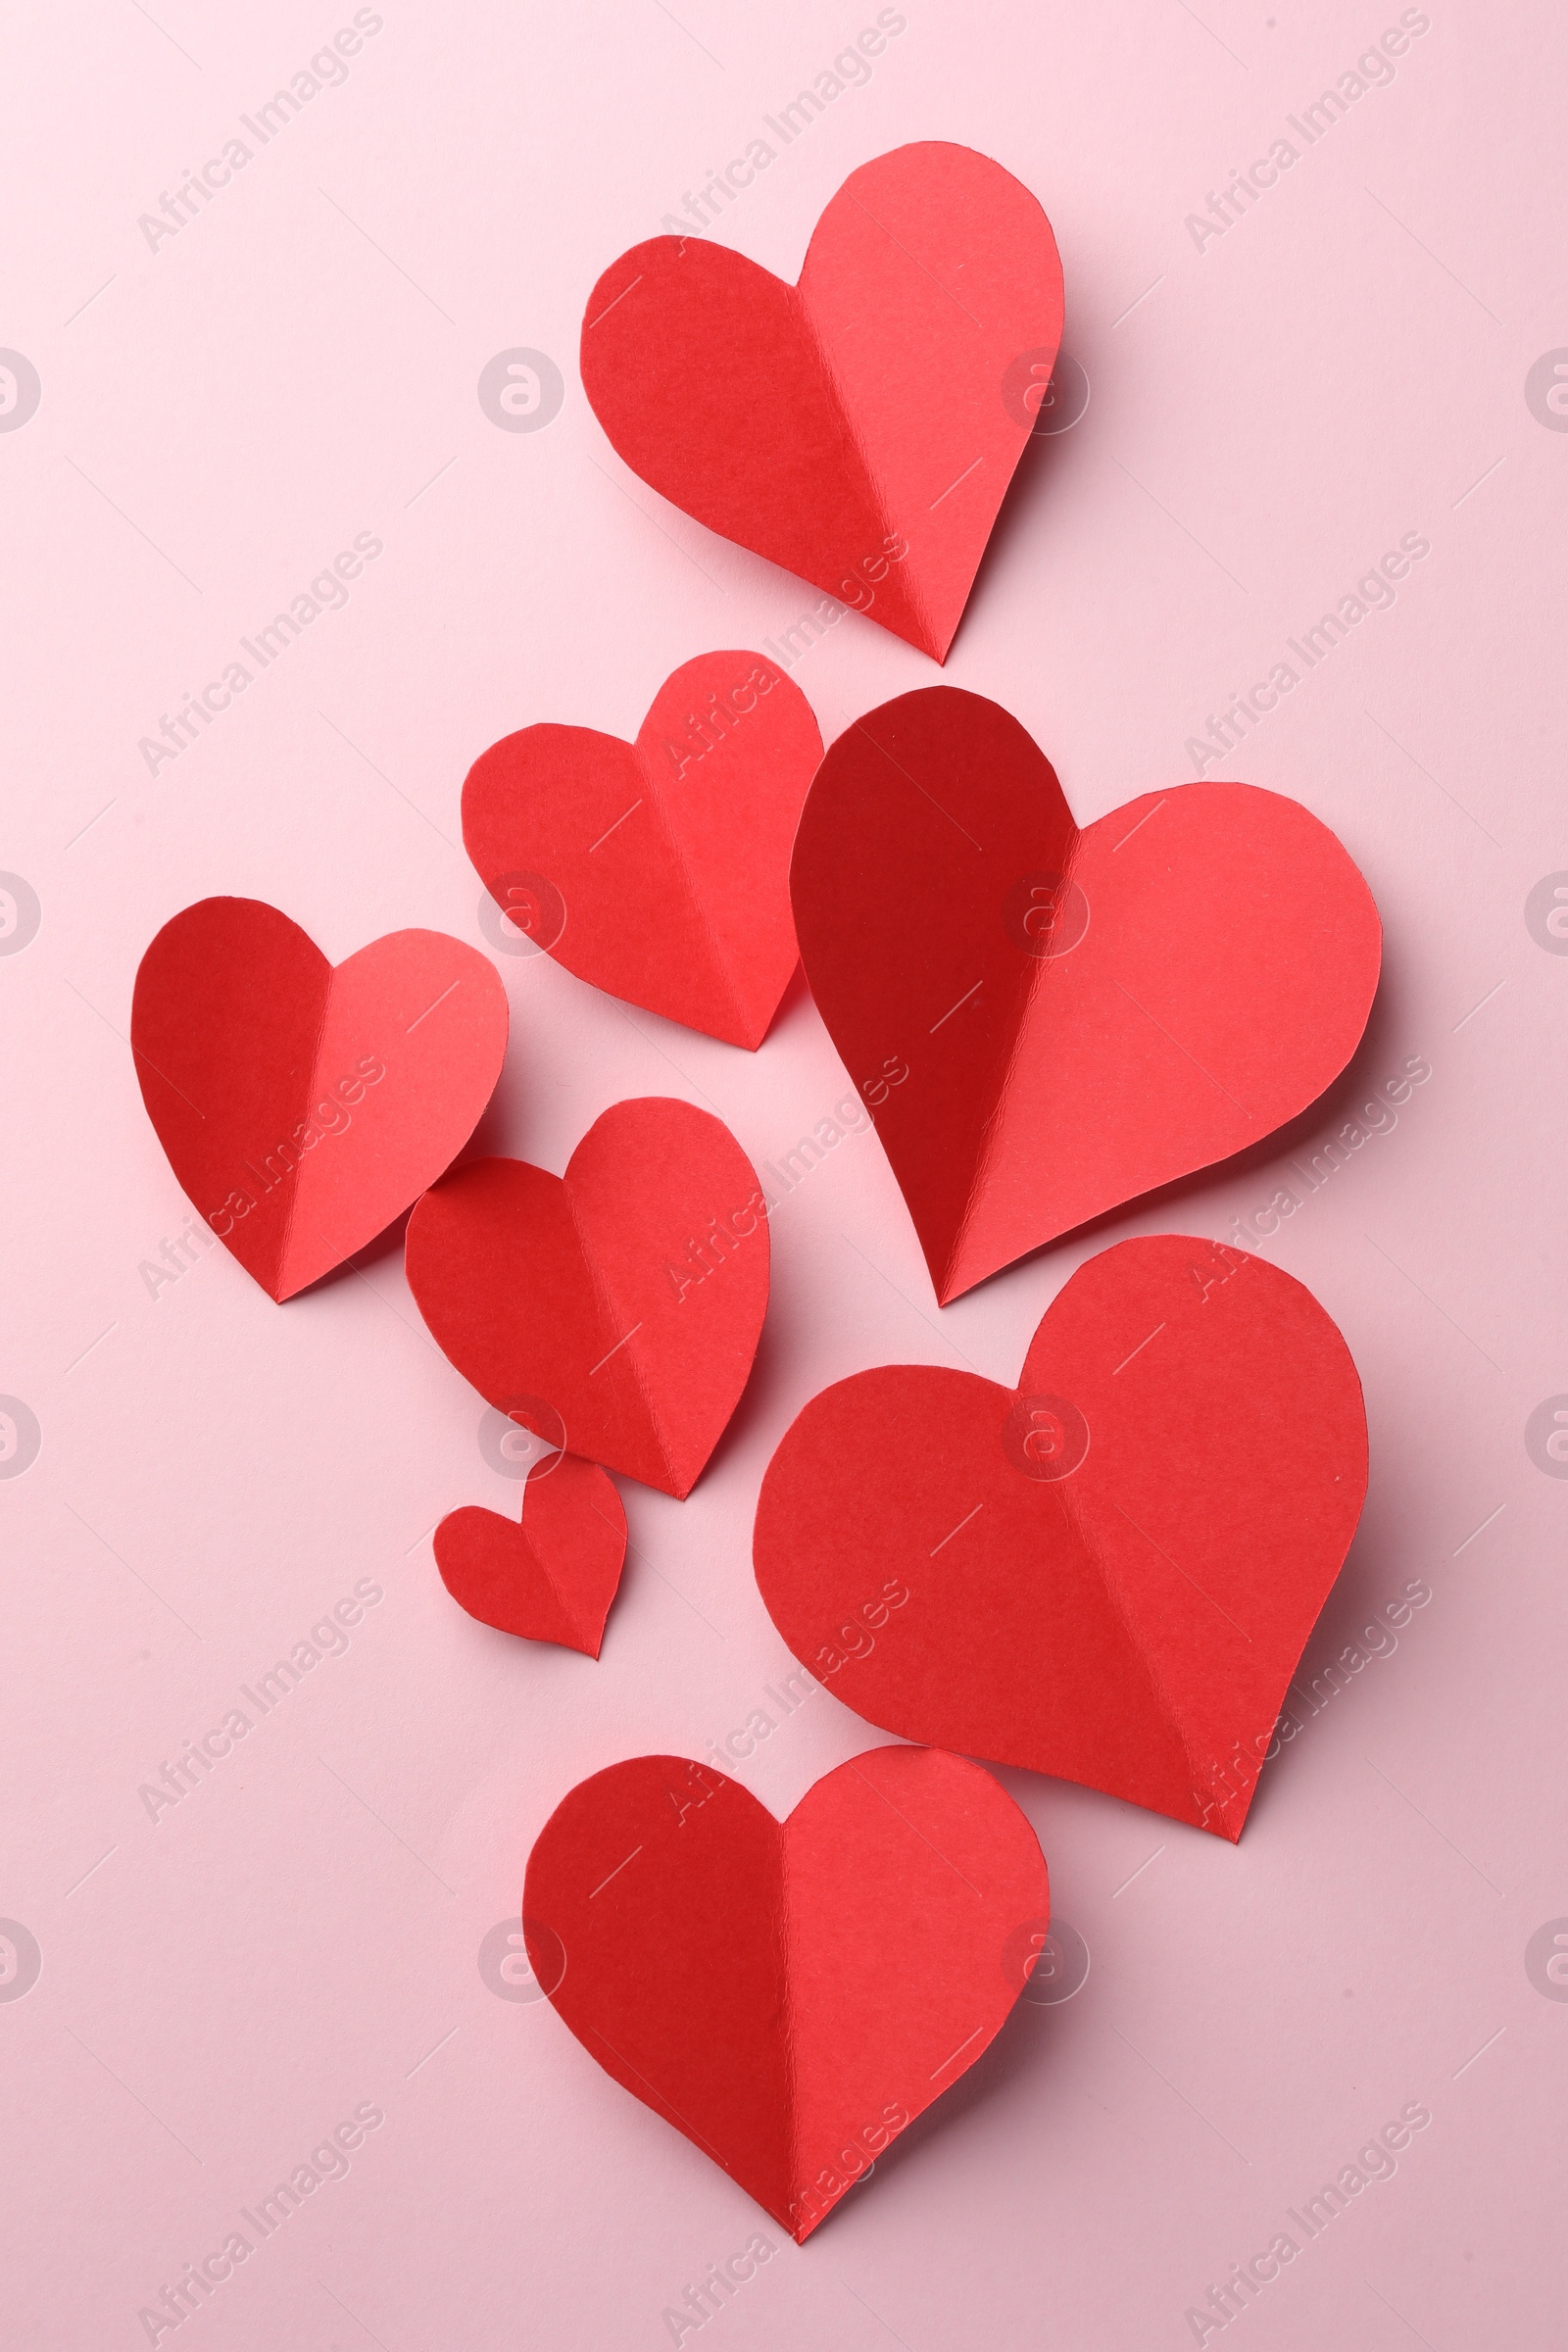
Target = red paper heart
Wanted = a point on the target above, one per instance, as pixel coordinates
(1107, 1574)
(790, 1995)
(613, 1311)
(860, 429)
(303, 1106)
(1047, 1022)
(660, 869)
(553, 1577)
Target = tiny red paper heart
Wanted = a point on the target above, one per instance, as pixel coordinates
(1047, 1021)
(659, 869)
(1109, 1573)
(553, 1576)
(860, 429)
(304, 1107)
(788, 1994)
(616, 1310)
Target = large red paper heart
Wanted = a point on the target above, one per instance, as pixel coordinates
(613, 1311)
(303, 1106)
(1047, 1022)
(790, 1995)
(659, 869)
(550, 1578)
(1107, 1573)
(860, 429)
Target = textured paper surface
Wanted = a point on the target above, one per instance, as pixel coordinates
(550, 1577)
(860, 429)
(1047, 1021)
(1109, 1572)
(303, 1109)
(659, 869)
(734, 1972)
(613, 1310)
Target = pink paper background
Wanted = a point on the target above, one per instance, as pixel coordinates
(300, 1934)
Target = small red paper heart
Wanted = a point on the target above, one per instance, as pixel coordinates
(1044, 1021)
(303, 1106)
(1107, 1573)
(616, 1310)
(789, 1994)
(658, 870)
(860, 429)
(553, 1577)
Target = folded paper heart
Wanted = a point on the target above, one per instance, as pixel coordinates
(1044, 1021)
(303, 1106)
(550, 1578)
(659, 869)
(616, 1310)
(860, 429)
(1107, 1573)
(789, 1994)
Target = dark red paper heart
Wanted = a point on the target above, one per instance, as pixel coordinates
(304, 1107)
(1044, 1021)
(790, 1995)
(1107, 1573)
(553, 1576)
(860, 429)
(658, 870)
(613, 1311)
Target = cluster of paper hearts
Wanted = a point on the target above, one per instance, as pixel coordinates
(613, 1311)
(1107, 1573)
